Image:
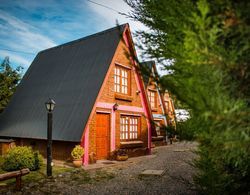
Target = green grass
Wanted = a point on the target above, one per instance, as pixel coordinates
(79, 177)
(74, 177)
(35, 176)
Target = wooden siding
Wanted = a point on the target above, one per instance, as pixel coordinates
(158, 109)
(60, 150)
(170, 110)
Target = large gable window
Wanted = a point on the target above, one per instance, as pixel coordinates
(152, 98)
(129, 129)
(121, 78)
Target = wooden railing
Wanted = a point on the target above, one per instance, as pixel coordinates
(15, 174)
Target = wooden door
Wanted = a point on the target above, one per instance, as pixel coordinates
(102, 135)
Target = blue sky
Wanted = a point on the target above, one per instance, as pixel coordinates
(30, 26)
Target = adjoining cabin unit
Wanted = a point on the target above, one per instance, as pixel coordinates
(170, 109)
(100, 99)
(160, 102)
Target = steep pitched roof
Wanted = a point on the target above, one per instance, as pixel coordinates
(146, 69)
(72, 75)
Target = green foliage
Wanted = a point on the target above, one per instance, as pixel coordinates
(9, 79)
(171, 131)
(1, 161)
(38, 160)
(209, 45)
(77, 152)
(21, 157)
(183, 130)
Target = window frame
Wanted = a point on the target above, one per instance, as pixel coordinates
(130, 127)
(158, 127)
(122, 80)
(152, 104)
(167, 105)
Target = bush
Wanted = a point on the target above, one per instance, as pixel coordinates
(22, 157)
(1, 161)
(184, 130)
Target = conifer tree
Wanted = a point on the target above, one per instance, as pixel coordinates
(9, 79)
(209, 45)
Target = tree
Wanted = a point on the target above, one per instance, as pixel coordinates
(209, 45)
(9, 79)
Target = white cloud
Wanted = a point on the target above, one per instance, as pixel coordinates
(111, 16)
(17, 59)
(35, 36)
(20, 36)
(23, 37)
(26, 35)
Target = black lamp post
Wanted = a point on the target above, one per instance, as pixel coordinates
(50, 104)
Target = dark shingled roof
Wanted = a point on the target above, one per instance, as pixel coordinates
(146, 69)
(71, 74)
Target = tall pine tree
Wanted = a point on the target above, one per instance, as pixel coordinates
(9, 79)
(209, 44)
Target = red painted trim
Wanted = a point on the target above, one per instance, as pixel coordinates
(155, 73)
(120, 107)
(85, 138)
(86, 147)
(139, 84)
(112, 131)
(143, 98)
(100, 92)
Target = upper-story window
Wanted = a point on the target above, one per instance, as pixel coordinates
(152, 98)
(121, 78)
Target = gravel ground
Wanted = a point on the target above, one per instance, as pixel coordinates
(173, 159)
(126, 178)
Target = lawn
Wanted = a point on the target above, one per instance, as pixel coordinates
(36, 176)
(36, 181)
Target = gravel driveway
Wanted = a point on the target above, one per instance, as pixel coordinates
(173, 159)
(126, 178)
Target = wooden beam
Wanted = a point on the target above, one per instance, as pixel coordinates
(15, 174)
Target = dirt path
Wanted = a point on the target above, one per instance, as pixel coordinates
(126, 178)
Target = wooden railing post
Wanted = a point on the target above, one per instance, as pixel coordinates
(18, 182)
(15, 174)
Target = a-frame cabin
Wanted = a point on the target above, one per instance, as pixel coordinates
(100, 99)
(160, 102)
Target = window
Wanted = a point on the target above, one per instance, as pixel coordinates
(129, 128)
(152, 98)
(158, 128)
(121, 78)
(167, 105)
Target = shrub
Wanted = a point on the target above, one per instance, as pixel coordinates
(171, 132)
(77, 152)
(1, 161)
(21, 157)
(185, 131)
